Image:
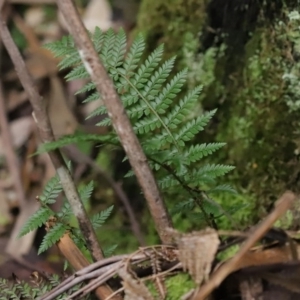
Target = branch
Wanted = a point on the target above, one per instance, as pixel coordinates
(283, 204)
(119, 118)
(76, 155)
(42, 120)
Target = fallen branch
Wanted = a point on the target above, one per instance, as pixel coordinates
(283, 204)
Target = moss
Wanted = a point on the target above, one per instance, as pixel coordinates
(249, 66)
(259, 114)
(169, 22)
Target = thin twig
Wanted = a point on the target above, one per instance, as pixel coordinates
(283, 204)
(10, 154)
(46, 134)
(86, 274)
(119, 118)
(75, 154)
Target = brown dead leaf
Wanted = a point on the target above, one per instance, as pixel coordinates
(20, 131)
(197, 251)
(135, 289)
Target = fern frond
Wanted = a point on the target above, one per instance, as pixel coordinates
(86, 191)
(168, 182)
(70, 60)
(162, 123)
(78, 72)
(108, 45)
(118, 51)
(63, 47)
(183, 207)
(145, 71)
(182, 110)
(169, 92)
(110, 250)
(87, 88)
(93, 97)
(153, 86)
(222, 188)
(74, 138)
(98, 220)
(197, 152)
(51, 191)
(65, 212)
(207, 172)
(190, 129)
(98, 38)
(36, 220)
(52, 236)
(133, 57)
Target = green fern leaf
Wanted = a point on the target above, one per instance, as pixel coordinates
(197, 152)
(182, 110)
(65, 212)
(207, 172)
(110, 250)
(86, 191)
(78, 72)
(144, 72)
(93, 97)
(98, 38)
(222, 188)
(52, 236)
(87, 88)
(98, 220)
(183, 207)
(169, 92)
(70, 60)
(36, 220)
(60, 48)
(74, 138)
(133, 57)
(118, 51)
(51, 191)
(168, 182)
(109, 43)
(193, 127)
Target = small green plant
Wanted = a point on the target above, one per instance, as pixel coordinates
(38, 287)
(162, 118)
(59, 222)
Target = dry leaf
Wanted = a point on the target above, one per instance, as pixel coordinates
(135, 289)
(20, 130)
(197, 251)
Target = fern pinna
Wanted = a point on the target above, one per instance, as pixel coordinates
(162, 122)
(59, 222)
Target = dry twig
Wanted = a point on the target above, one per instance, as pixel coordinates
(46, 134)
(283, 204)
(75, 154)
(119, 118)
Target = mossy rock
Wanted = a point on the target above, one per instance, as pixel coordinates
(247, 59)
(169, 21)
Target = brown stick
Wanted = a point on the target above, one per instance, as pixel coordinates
(76, 155)
(119, 118)
(283, 204)
(78, 261)
(43, 123)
